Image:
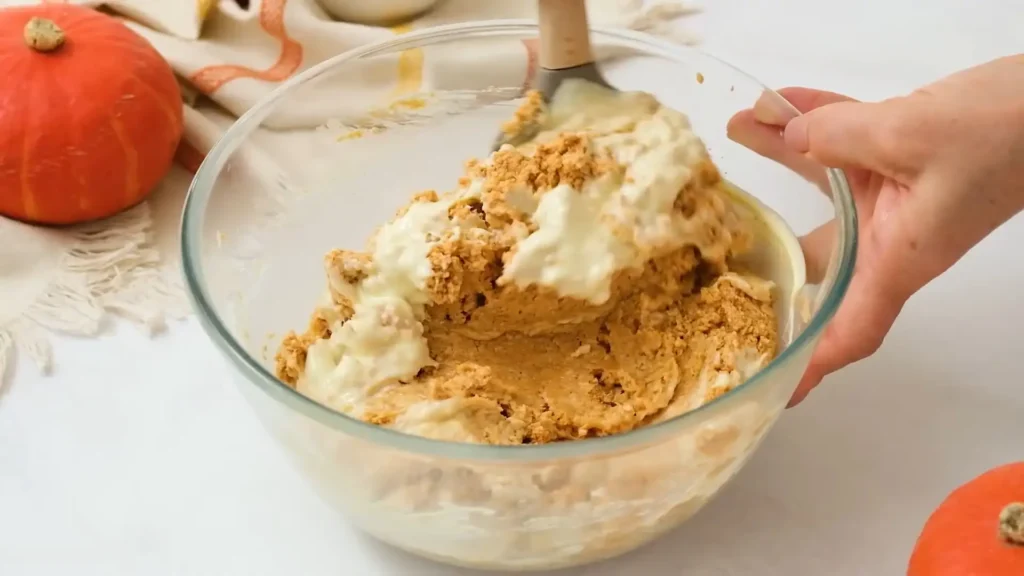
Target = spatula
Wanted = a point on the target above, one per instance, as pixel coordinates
(564, 53)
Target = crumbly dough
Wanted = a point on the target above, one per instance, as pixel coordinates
(598, 378)
(512, 362)
(524, 365)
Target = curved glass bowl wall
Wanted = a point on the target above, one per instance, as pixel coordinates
(301, 174)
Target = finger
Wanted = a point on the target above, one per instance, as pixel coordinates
(773, 110)
(857, 330)
(807, 99)
(817, 248)
(758, 128)
(777, 108)
(853, 135)
(767, 141)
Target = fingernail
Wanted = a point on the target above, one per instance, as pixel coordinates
(795, 400)
(799, 396)
(796, 135)
(771, 109)
(807, 383)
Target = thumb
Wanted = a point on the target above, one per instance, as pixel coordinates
(850, 135)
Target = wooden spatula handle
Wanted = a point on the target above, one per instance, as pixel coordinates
(564, 35)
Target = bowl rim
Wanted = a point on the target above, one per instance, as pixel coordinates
(836, 281)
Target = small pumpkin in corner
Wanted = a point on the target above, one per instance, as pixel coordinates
(978, 529)
(90, 115)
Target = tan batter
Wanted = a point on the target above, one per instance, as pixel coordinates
(536, 367)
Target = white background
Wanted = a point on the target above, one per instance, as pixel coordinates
(139, 457)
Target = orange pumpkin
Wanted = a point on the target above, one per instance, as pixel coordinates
(978, 530)
(90, 115)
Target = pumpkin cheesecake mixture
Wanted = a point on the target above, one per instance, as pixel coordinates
(579, 284)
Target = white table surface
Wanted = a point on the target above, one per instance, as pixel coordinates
(138, 456)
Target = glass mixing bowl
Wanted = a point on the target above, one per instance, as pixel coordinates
(334, 152)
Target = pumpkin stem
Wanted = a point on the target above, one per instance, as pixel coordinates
(43, 35)
(1011, 523)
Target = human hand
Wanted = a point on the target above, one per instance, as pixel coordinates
(932, 174)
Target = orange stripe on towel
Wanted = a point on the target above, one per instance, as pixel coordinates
(207, 80)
